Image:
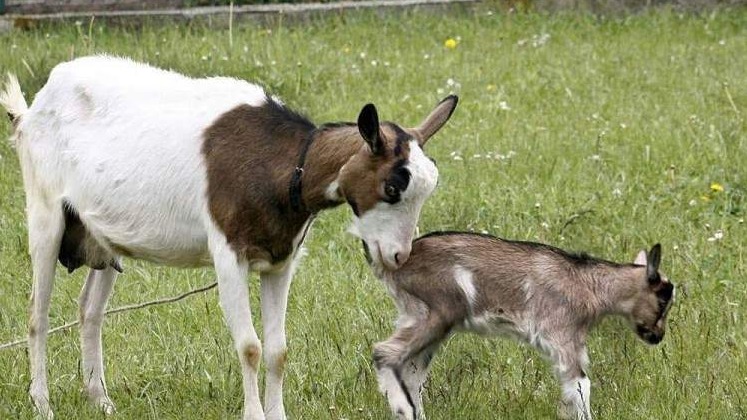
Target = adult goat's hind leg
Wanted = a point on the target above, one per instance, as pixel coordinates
(45, 227)
(92, 304)
(233, 292)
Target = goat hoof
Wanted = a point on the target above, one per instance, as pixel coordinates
(43, 409)
(275, 416)
(107, 406)
(102, 402)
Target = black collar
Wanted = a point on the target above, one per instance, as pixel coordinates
(296, 197)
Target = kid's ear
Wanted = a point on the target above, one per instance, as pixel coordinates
(652, 264)
(640, 259)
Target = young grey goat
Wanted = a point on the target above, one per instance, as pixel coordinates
(536, 293)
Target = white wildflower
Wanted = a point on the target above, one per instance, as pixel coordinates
(538, 41)
(717, 236)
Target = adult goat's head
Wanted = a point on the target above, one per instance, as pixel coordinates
(388, 180)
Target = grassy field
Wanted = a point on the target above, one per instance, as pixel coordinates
(598, 134)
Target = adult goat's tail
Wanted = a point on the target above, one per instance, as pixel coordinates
(11, 98)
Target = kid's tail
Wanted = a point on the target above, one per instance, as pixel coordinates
(11, 98)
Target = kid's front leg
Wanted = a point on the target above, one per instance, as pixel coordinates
(571, 366)
(575, 399)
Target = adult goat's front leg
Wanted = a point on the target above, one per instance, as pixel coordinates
(232, 271)
(275, 287)
(93, 298)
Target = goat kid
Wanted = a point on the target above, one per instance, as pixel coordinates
(122, 159)
(531, 292)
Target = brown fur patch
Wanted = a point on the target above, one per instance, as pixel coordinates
(362, 178)
(280, 361)
(251, 154)
(251, 355)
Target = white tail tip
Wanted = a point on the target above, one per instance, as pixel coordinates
(11, 98)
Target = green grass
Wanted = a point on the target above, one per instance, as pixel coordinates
(616, 128)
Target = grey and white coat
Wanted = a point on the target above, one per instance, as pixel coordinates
(534, 293)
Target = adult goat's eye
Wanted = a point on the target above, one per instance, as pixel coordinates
(390, 190)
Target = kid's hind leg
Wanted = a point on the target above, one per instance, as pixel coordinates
(390, 359)
(414, 375)
(45, 227)
(92, 303)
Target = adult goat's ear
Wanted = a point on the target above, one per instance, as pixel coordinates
(436, 119)
(368, 126)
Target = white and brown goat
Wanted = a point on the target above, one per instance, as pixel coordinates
(532, 292)
(122, 159)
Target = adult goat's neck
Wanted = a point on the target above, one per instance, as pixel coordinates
(329, 148)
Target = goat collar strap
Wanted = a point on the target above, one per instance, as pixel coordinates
(295, 190)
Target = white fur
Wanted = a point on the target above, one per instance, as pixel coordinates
(388, 229)
(93, 298)
(12, 97)
(332, 192)
(395, 395)
(575, 400)
(95, 110)
(465, 281)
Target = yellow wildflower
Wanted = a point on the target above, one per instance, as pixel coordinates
(450, 43)
(705, 197)
(716, 187)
